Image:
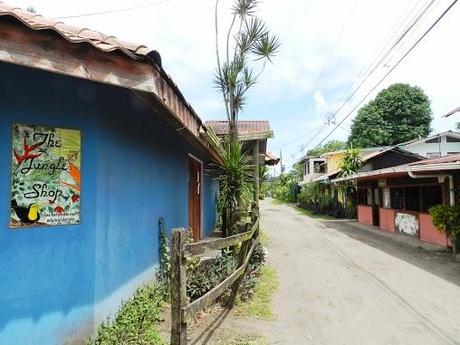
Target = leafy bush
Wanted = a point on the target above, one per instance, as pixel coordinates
(314, 198)
(203, 276)
(447, 219)
(136, 321)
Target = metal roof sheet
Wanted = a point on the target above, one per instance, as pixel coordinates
(73, 34)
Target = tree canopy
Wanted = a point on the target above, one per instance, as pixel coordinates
(330, 146)
(398, 113)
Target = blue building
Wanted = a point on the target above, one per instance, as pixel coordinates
(142, 155)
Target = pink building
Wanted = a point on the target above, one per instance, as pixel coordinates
(397, 199)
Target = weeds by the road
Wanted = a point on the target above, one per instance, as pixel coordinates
(259, 305)
(227, 337)
(302, 210)
(137, 320)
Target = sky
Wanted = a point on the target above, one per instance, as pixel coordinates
(325, 45)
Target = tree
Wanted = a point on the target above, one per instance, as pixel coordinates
(351, 161)
(447, 219)
(248, 41)
(330, 146)
(397, 114)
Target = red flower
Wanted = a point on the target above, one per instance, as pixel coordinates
(59, 210)
(75, 197)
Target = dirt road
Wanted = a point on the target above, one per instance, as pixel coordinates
(343, 285)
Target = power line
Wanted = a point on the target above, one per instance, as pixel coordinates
(339, 36)
(90, 14)
(387, 53)
(372, 66)
(298, 138)
(391, 70)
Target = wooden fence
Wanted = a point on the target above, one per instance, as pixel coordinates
(181, 312)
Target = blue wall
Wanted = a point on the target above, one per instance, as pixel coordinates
(56, 283)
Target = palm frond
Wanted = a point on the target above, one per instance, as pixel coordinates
(266, 47)
(245, 8)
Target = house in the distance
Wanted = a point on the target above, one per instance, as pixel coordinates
(397, 198)
(436, 145)
(250, 133)
(327, 167)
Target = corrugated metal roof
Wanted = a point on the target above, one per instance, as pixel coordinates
(73, 34)
(244, 127)
(445, 159)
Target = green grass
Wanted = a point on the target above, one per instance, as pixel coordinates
(260, 305)
(137, 320)
(264, 239)
(228, 337)
(302, 210)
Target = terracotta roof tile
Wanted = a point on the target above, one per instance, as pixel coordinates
(73, 34)
(244, 127)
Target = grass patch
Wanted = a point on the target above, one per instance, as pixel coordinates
(259, 305)
(264, 239)
(311, 214)
(302, 210)
(137, 320)
(228, 337)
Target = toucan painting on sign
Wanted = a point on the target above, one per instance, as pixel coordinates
(45, 176)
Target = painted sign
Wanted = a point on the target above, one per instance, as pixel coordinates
(45, 176)
(407, 223)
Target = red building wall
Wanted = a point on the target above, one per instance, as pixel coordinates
(387, 219)
(365, 214)
(428, 231)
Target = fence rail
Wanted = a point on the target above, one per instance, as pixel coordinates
(181, 312)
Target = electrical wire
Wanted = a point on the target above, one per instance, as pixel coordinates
(391, 70)
(387, 53)
(369, 69)
(113, 11)
(334, 47)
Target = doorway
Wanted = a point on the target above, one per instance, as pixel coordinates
(195, 168)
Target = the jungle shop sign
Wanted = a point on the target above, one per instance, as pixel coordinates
(45, 176)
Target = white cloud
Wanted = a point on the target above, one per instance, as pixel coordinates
(183, 32)
(319, 100)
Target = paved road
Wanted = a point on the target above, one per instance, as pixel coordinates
(344, 285)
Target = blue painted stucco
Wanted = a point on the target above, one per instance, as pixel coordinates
(57, 283)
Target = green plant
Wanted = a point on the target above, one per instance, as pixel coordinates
(447, 219)
(136, 321)
(235, 176)
(318, 199)
(164, 272)
(203, 276)
(259, 305)
(285, 187)
(398, 113)
(351, 161)
(247, 38)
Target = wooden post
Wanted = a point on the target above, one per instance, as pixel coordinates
(255, 154)
(178, 288)
(241, 257)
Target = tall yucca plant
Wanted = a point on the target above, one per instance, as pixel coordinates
(247, 41)
(235, 176)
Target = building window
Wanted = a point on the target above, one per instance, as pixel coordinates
(397, 198)
(412, 198)
(453, 153)
(433, 154)
(450, 139)
(431, 196)
(433, 141)
(364, 196)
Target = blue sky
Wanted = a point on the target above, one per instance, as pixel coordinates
(287, 93)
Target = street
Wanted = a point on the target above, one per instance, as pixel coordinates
(345, 285)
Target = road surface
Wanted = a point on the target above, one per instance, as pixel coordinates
(345, 285)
